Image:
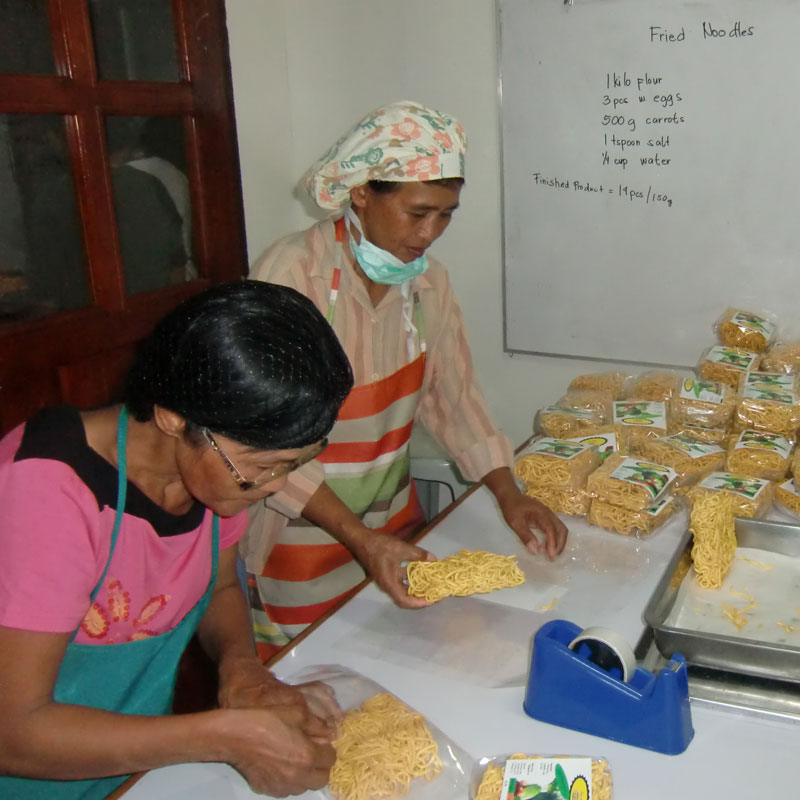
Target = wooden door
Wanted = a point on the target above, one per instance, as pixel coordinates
(100, 235)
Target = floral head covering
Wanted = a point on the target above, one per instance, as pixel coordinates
(403, 141)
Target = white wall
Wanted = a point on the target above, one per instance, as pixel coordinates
(304, 71)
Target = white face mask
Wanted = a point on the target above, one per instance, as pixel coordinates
(380, 265)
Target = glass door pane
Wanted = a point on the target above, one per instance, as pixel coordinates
(25, 38)
(41, 248)
(134, 40)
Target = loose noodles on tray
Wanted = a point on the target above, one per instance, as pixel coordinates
(381, 746)
(465, 573)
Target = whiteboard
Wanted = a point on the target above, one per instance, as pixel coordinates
(651, 172)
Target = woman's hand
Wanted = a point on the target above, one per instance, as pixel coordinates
(280, 751)
(523, 513)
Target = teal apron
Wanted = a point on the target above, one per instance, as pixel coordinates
(130, 678)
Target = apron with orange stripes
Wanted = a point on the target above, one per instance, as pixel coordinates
(367, 466)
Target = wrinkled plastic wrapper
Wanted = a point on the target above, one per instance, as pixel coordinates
(753, 496)
(566, 423)
(748, 330)
(486, 779)
(562, 500)
(787, 499)
(556, 462)
(629, 482)
(351, 690)
(769, 402)
(654, 385)
(633, 523)
(689, 457)
(760, 454)
(614, 382)
(718, 436)
(726, 364)
(599, 400)
(706, 404)
(782, 357)
(636, 421)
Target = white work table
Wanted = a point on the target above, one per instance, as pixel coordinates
(463, 663)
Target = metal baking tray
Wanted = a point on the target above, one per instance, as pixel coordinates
(731, 653)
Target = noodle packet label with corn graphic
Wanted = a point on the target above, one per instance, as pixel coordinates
(557, 448)
(703, 391)
(744, 485)
(745, 329)
(548, 777)
(764, 440)
(769, 380)
(726, 364)
(642, 413)
(603, 443)
(654, 478)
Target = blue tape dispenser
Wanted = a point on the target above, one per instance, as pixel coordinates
(588, 681)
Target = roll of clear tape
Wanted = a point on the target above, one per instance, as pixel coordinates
(607, 649)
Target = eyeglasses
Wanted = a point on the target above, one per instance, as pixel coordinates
(270, 474)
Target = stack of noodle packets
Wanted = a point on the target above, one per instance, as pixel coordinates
(654, 385)
(554, 471)
(703, 404)
(636, 421)
(691, 459)
(745, 330)
(614, 382)
(768, 401)
(726, 364)
(631, 496)
(753, 496)
(782, 357)
(564, 423)
(531, 776)
(760, 454)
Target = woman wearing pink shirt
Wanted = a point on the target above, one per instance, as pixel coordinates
(118, 540)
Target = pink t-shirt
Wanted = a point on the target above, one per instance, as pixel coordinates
(57, 509)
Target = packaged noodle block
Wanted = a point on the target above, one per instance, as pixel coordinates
(604, 441)
(782, 357)
(726, 364)
(614, 382)
(530, 776)
(753, 496)
(760, 454)
(787, 497)
(561, 499)
(768, 404)
(689, 457)
(638, 420)
(599, 400)
(563, 423)
(632, 523)
(707, 435)
(746, 330)
(796, 466)
(556, 462)
(632, 483)
(709, 404)
(654, 385)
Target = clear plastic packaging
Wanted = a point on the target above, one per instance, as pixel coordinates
(782, 357)
(614, 382)
(448, 768)
(795, 468)
(632, 523)
(787, 497)
(753, 496)
(599, 400)
(637, 421)
(562, 500)
(768, 402)
(690, 458)
(707, 435)
(708, 404)
(540, 777)
(556, 462)
(726, 364)
(745, 329)
(564, 423)
(654, 385)
(631, 483)
(760, 454)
